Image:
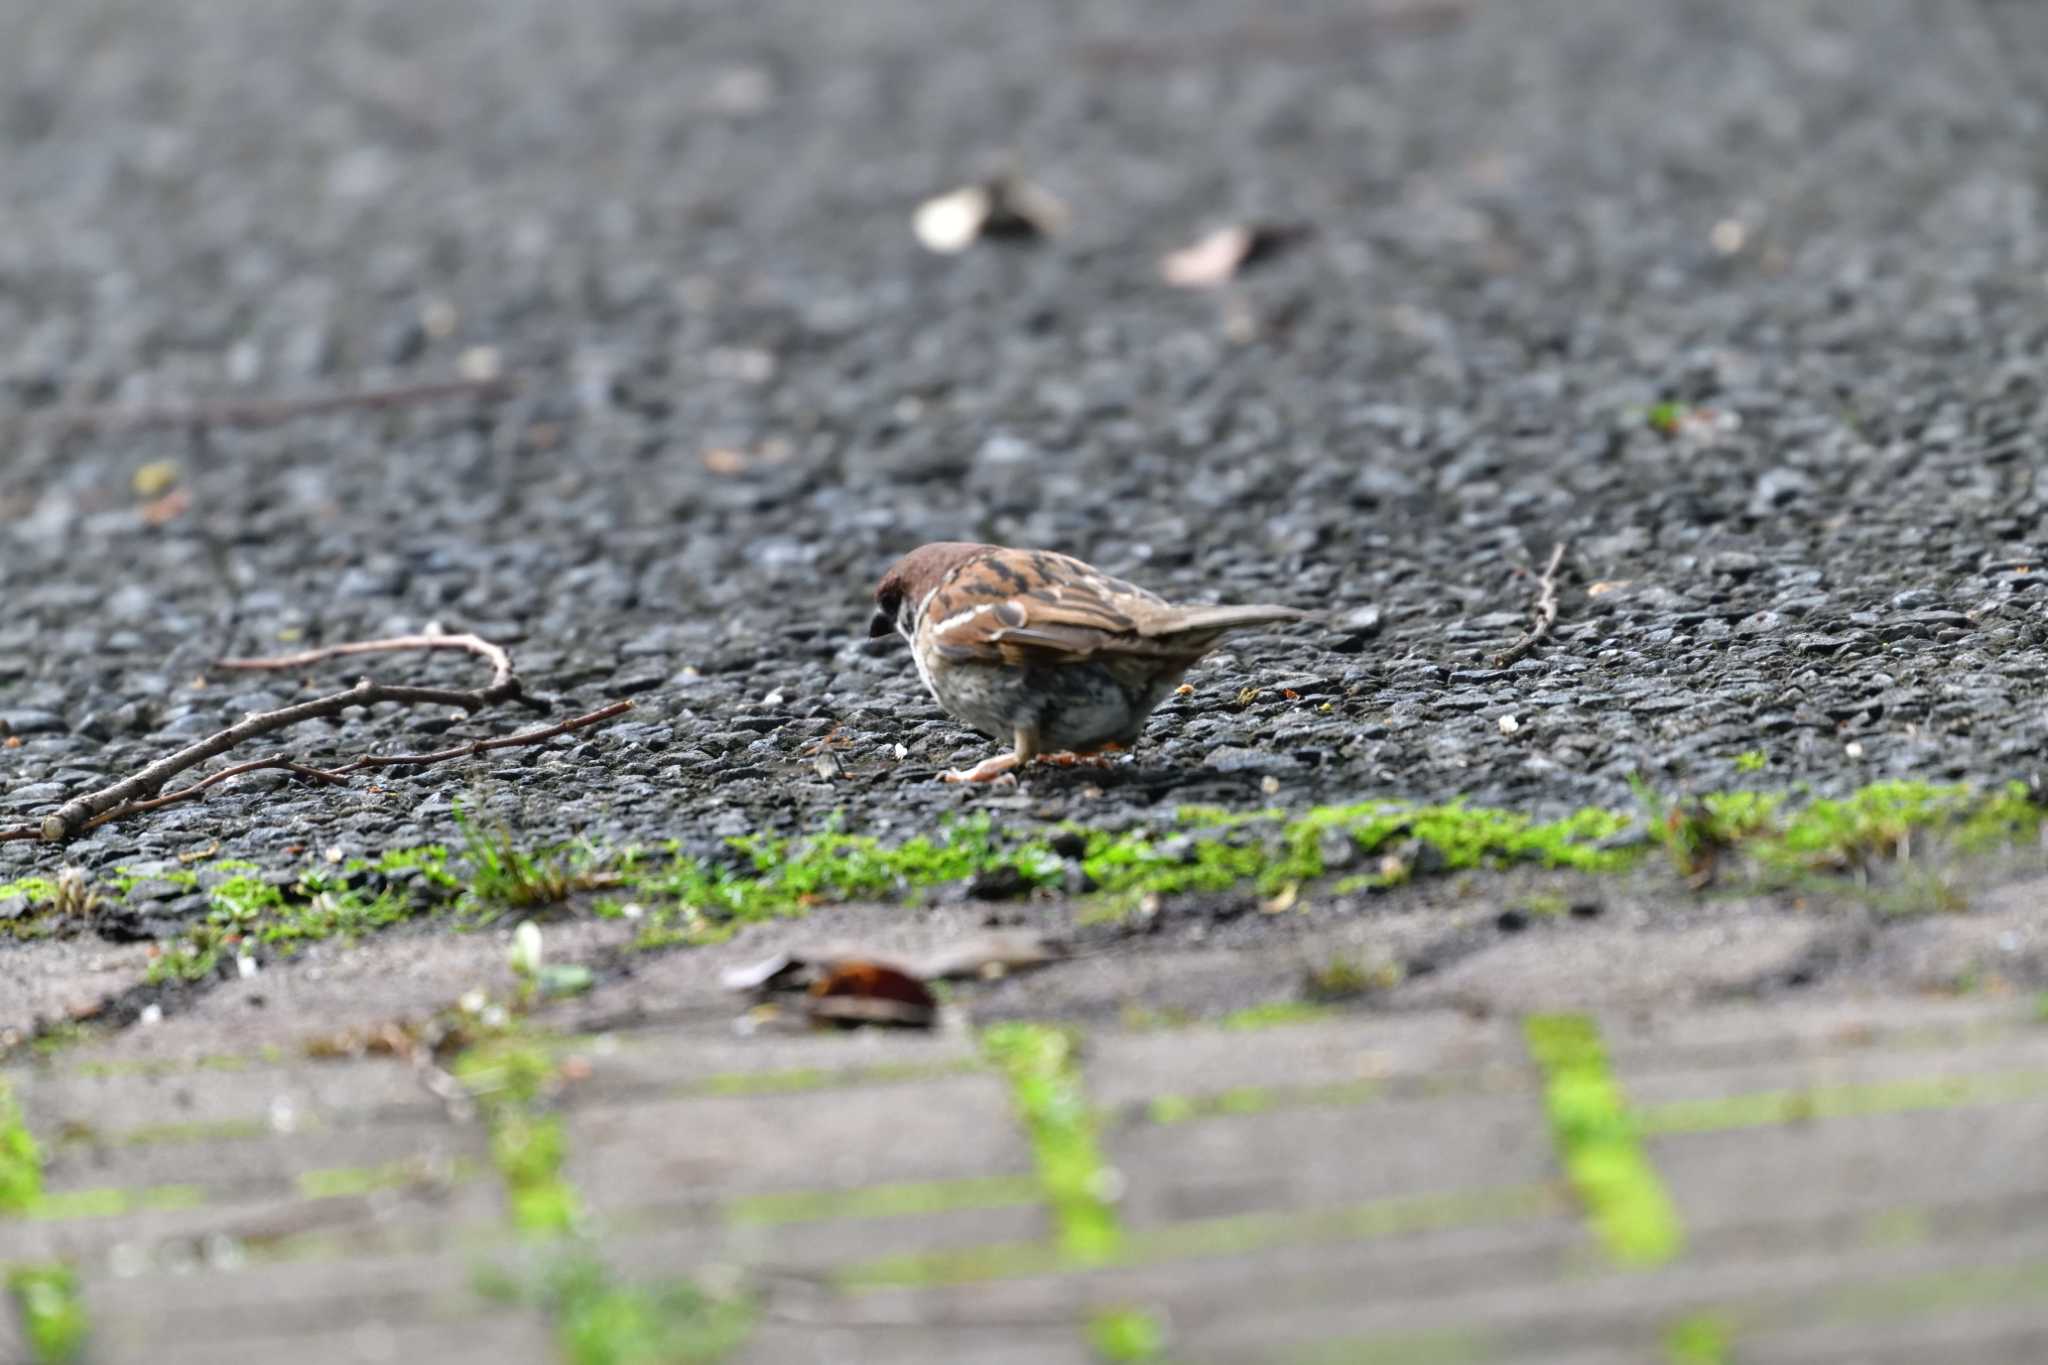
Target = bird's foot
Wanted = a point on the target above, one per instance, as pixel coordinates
(1101, 756)
(998, 769)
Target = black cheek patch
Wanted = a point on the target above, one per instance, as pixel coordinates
(882, 624)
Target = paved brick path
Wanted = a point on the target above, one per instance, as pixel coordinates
(1845, 1181)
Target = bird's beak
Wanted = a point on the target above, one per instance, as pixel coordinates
(883, 624)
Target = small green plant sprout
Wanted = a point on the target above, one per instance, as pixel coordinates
(502, 874)
(1346, 978)
(1752, 761)
(537, 978)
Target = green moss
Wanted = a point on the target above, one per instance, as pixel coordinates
(341, 1182)
(508, 1078)
(1752, 761)
(1126, 1334)
(34, 890)
(602, 1322)
(110, 1202)
(1233, 1235)
(819, 1078)
(768, 878)
(21, 1161)
(1276, 1014)
(1598, 1144)
(1699, 1340)
(1045, 1085)
(885, 1201)
(51, 1311)
(1771, 1108)
(1258, 1099)
(1869, 824)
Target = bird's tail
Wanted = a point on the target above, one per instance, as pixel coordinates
(1216, 620)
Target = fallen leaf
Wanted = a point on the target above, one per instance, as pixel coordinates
(725, 460)
(1007, 206)
(1184, 690)
(1217, 258)
(859, 992)
(1602, 588)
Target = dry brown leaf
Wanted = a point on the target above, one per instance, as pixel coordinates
(859, 992)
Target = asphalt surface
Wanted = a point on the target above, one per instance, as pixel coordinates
(743, 386)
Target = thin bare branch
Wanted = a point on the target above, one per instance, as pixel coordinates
(200, 787)
(339, 776)
(1545, 612)
(504, 685)
(139, 791)
(273, 411)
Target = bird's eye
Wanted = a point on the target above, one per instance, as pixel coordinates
(887, 604)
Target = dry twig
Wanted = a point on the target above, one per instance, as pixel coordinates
(269, 412)
(140, 790)
(1545, 612)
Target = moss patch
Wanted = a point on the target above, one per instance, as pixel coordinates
(507, 1078)
(602, 1322)
(696, 898)
(1771, 1108)
(21, 1161)
(1045, 1085)
(1232, 1235)
(1598, 1144)
(1699, 1340)
(688, 898)
(52, 1314)
(1126, 1334)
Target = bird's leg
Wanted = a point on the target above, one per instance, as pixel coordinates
(1000, 767)
(1097, 757)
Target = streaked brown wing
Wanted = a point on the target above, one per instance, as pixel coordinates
(1022, 606)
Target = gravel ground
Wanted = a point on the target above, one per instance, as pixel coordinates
(743, 387)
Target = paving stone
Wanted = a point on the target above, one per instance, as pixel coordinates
(1130, 1068)
(427, 1215)
(260, 1163)
(791, 1344)
(1321, 1158)
(1603, 966)
(1866, 1164)
(625, 1156)
(502, 1335)
(68, 1097)
(1738, 1034)
(295, 1299)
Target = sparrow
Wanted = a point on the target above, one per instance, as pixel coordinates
(1039, 650)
